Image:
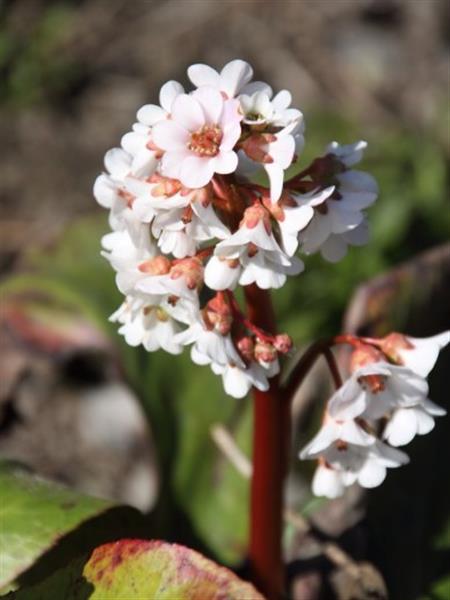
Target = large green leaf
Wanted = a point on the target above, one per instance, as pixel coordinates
(148, 570)
(34, 515)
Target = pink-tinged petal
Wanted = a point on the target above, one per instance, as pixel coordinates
(276, 176)
(211, 101)
(196, 172)
(187, 112)
(234, 76)
(149, 114)
(118, 162)
(282, 100)
(201, 75)
(172, 161)
(168, 93)
(231, 134)
(169, 135)
(224, 162)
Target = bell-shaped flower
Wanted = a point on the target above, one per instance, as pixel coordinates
(353, 455)
(405, 423)
(151, 326)
(375, 390)
(418, 354)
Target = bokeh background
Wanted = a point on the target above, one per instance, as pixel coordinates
(78, 406)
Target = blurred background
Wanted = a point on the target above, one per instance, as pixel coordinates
(80, 407)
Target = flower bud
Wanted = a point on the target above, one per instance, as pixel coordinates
(282, 343)
(160, 265)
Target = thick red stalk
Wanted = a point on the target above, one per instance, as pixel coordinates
(271, 429)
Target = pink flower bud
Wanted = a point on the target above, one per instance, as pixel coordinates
(160, 265)
(265, 352)
(246, 347)
(283, 343)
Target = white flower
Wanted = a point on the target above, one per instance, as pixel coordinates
(348, 154)
(181, 280)
(335, 247)
(110, 189)
(340, 221)
(260, 109)
(150, 325)
(377, 389)
(353, 454)
(138, 142)
(238, 380)
(232, 80)
(222, 273)
(255, 247)
(126, 257)
(199, 138)
(406, 423)
(420, 354)
(296, 213)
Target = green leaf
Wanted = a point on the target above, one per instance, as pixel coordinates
(34, 515)
(142, 569)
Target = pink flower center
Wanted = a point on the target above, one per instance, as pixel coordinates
(206, 141)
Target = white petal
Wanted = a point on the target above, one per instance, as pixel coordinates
(149, 114)
(371, 475)
(234, 76)
(327, 482)
(327, 435)
(188, 113)
(169, 135)
(196, 172)
(219, 276)
(211, 101)
(201, 75)
(168, 93)
(118, 162)
(401, 428)
(334, 248)
(276, 176)
(422, 358)
(224, 162)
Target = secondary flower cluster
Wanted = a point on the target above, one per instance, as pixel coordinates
(191, 220)
(383, 404)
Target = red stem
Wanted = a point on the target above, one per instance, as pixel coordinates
(271, 429)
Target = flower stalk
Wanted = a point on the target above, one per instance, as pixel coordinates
(271, 429)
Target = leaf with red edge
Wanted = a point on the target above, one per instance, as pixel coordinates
(159, 570)
(145, 570)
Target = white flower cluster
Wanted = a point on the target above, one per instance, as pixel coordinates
(383, 404)
(187, 215)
